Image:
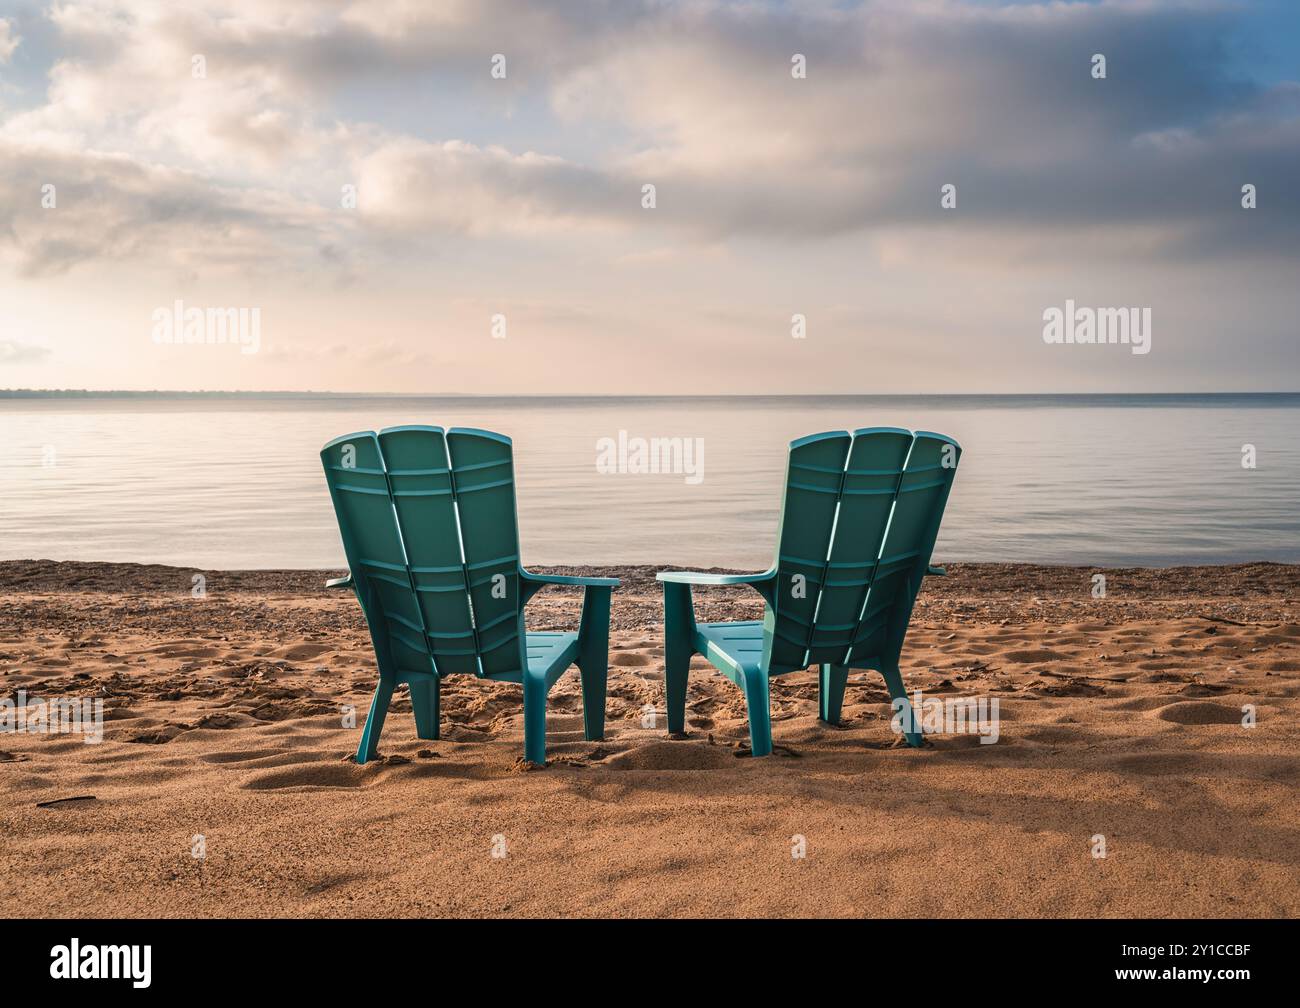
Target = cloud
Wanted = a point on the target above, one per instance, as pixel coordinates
(410, 186)
(696, 98)
(112, 207)
(17, 352)
(8, 40)
(901, 99)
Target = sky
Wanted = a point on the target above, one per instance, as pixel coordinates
(451, 197)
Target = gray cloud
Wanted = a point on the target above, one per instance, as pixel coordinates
(696, 98)
(998, 101)
(899, 101)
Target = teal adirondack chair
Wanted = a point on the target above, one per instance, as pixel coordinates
(858, 523)
(431, 536)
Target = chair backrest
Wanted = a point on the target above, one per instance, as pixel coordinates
(428, 523)
(858, 523)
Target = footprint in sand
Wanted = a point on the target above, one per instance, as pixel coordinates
(160, 736)
(289, 710)
(1146, 703)
(1168, 677)
(1202, 690)
(222, 721)
(311, 775)
(1073, 688)
(184, 649)
(1200, 713)
(240, 755)
(297, 757)
(1035, 657)
(301, 652)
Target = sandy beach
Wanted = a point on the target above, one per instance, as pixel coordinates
(1120, 717)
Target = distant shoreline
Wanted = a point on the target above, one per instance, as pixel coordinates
(1083, 398)
(1069, 584)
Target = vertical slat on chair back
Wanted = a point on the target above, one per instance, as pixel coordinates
(483, 473)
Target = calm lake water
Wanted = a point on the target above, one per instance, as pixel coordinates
(236, 483)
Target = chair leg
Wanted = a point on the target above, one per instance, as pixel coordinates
(535, 719)
(677, 666)
(758, 702)
(593, 660)
(426, 701)
(678, 631)
(594, 672)
(898, 693)
(375, 720)
(830, 692)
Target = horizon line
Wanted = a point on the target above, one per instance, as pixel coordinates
(27, 393)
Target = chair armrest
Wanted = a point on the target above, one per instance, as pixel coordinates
(565, 579)
(343, 582)
(533, 583)
(934, 571)
(700, 578)
(764, 584)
